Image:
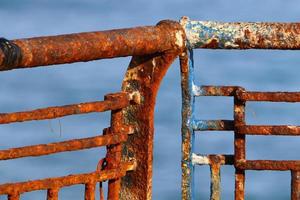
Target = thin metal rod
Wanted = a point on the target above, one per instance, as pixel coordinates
(208, 159)
(269, 96)
(213, 125)
(187, 184)
(90, 189)
(295, 185)
(52, 193)
(239, 148)
(70, 145)
(215, 183)
(210, 90)
(119, 100)
(278, 165)
(44, 184)
(284, 130)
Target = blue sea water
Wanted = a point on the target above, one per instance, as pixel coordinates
(80, 82)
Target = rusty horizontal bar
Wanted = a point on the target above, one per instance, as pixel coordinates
(88, 46)
(268, 130)
(210, 90)
(269, 96)
(112, 102)
(212, 125)
(276, 165)
(70, 145)
(198, 159)
(59, 182)
(241, 35)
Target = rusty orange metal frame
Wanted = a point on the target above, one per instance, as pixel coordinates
(153, 48)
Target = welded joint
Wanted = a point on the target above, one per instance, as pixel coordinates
(197, 90)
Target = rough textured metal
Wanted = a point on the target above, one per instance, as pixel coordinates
(210, 90)
(208, 159)
(268, 130)
(241, 35)
(71, 145)
(52, 194)
(295, 185)
(187, 149)
(270, 96)
(215, 180)
(90, 189)
(239, 148)
(88, 46)
(44, 184)
(144, 76)
(116, 101)
(212, 125)
(277, 165)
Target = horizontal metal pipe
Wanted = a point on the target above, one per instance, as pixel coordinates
(241, 35)
(70, 145)
(268, 130)
(276, 165)
(269, 96)
(209, 90)
(212, 125)
(115, 101)
(198, 159)
(58, 182)
(89, 46)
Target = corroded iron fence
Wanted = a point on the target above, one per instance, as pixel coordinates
(217, 35)
(130, 136)
(129, 139)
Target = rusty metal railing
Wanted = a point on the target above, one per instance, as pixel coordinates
(215, 35)
(129, 139)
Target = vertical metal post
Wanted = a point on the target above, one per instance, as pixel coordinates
(89, 193)
(187, 67)
(239, 147)
(295, 185)
(144, 76)
(52, 194)
(215, 180)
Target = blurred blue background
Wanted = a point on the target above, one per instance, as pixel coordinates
(79, 82)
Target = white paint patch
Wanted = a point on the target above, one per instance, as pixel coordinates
(200, 160)
(179, 38)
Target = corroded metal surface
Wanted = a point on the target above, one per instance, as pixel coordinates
(210, 90)
(115, 101)
(269, 130)
(241, 35)
(71, 145)
(59, 182)
(239, 147)
(212, 125)
(88, 46)
(208, 159)
(277, 165)
(144, 76)
(295, 185)
(270, 96)
(188, 135)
